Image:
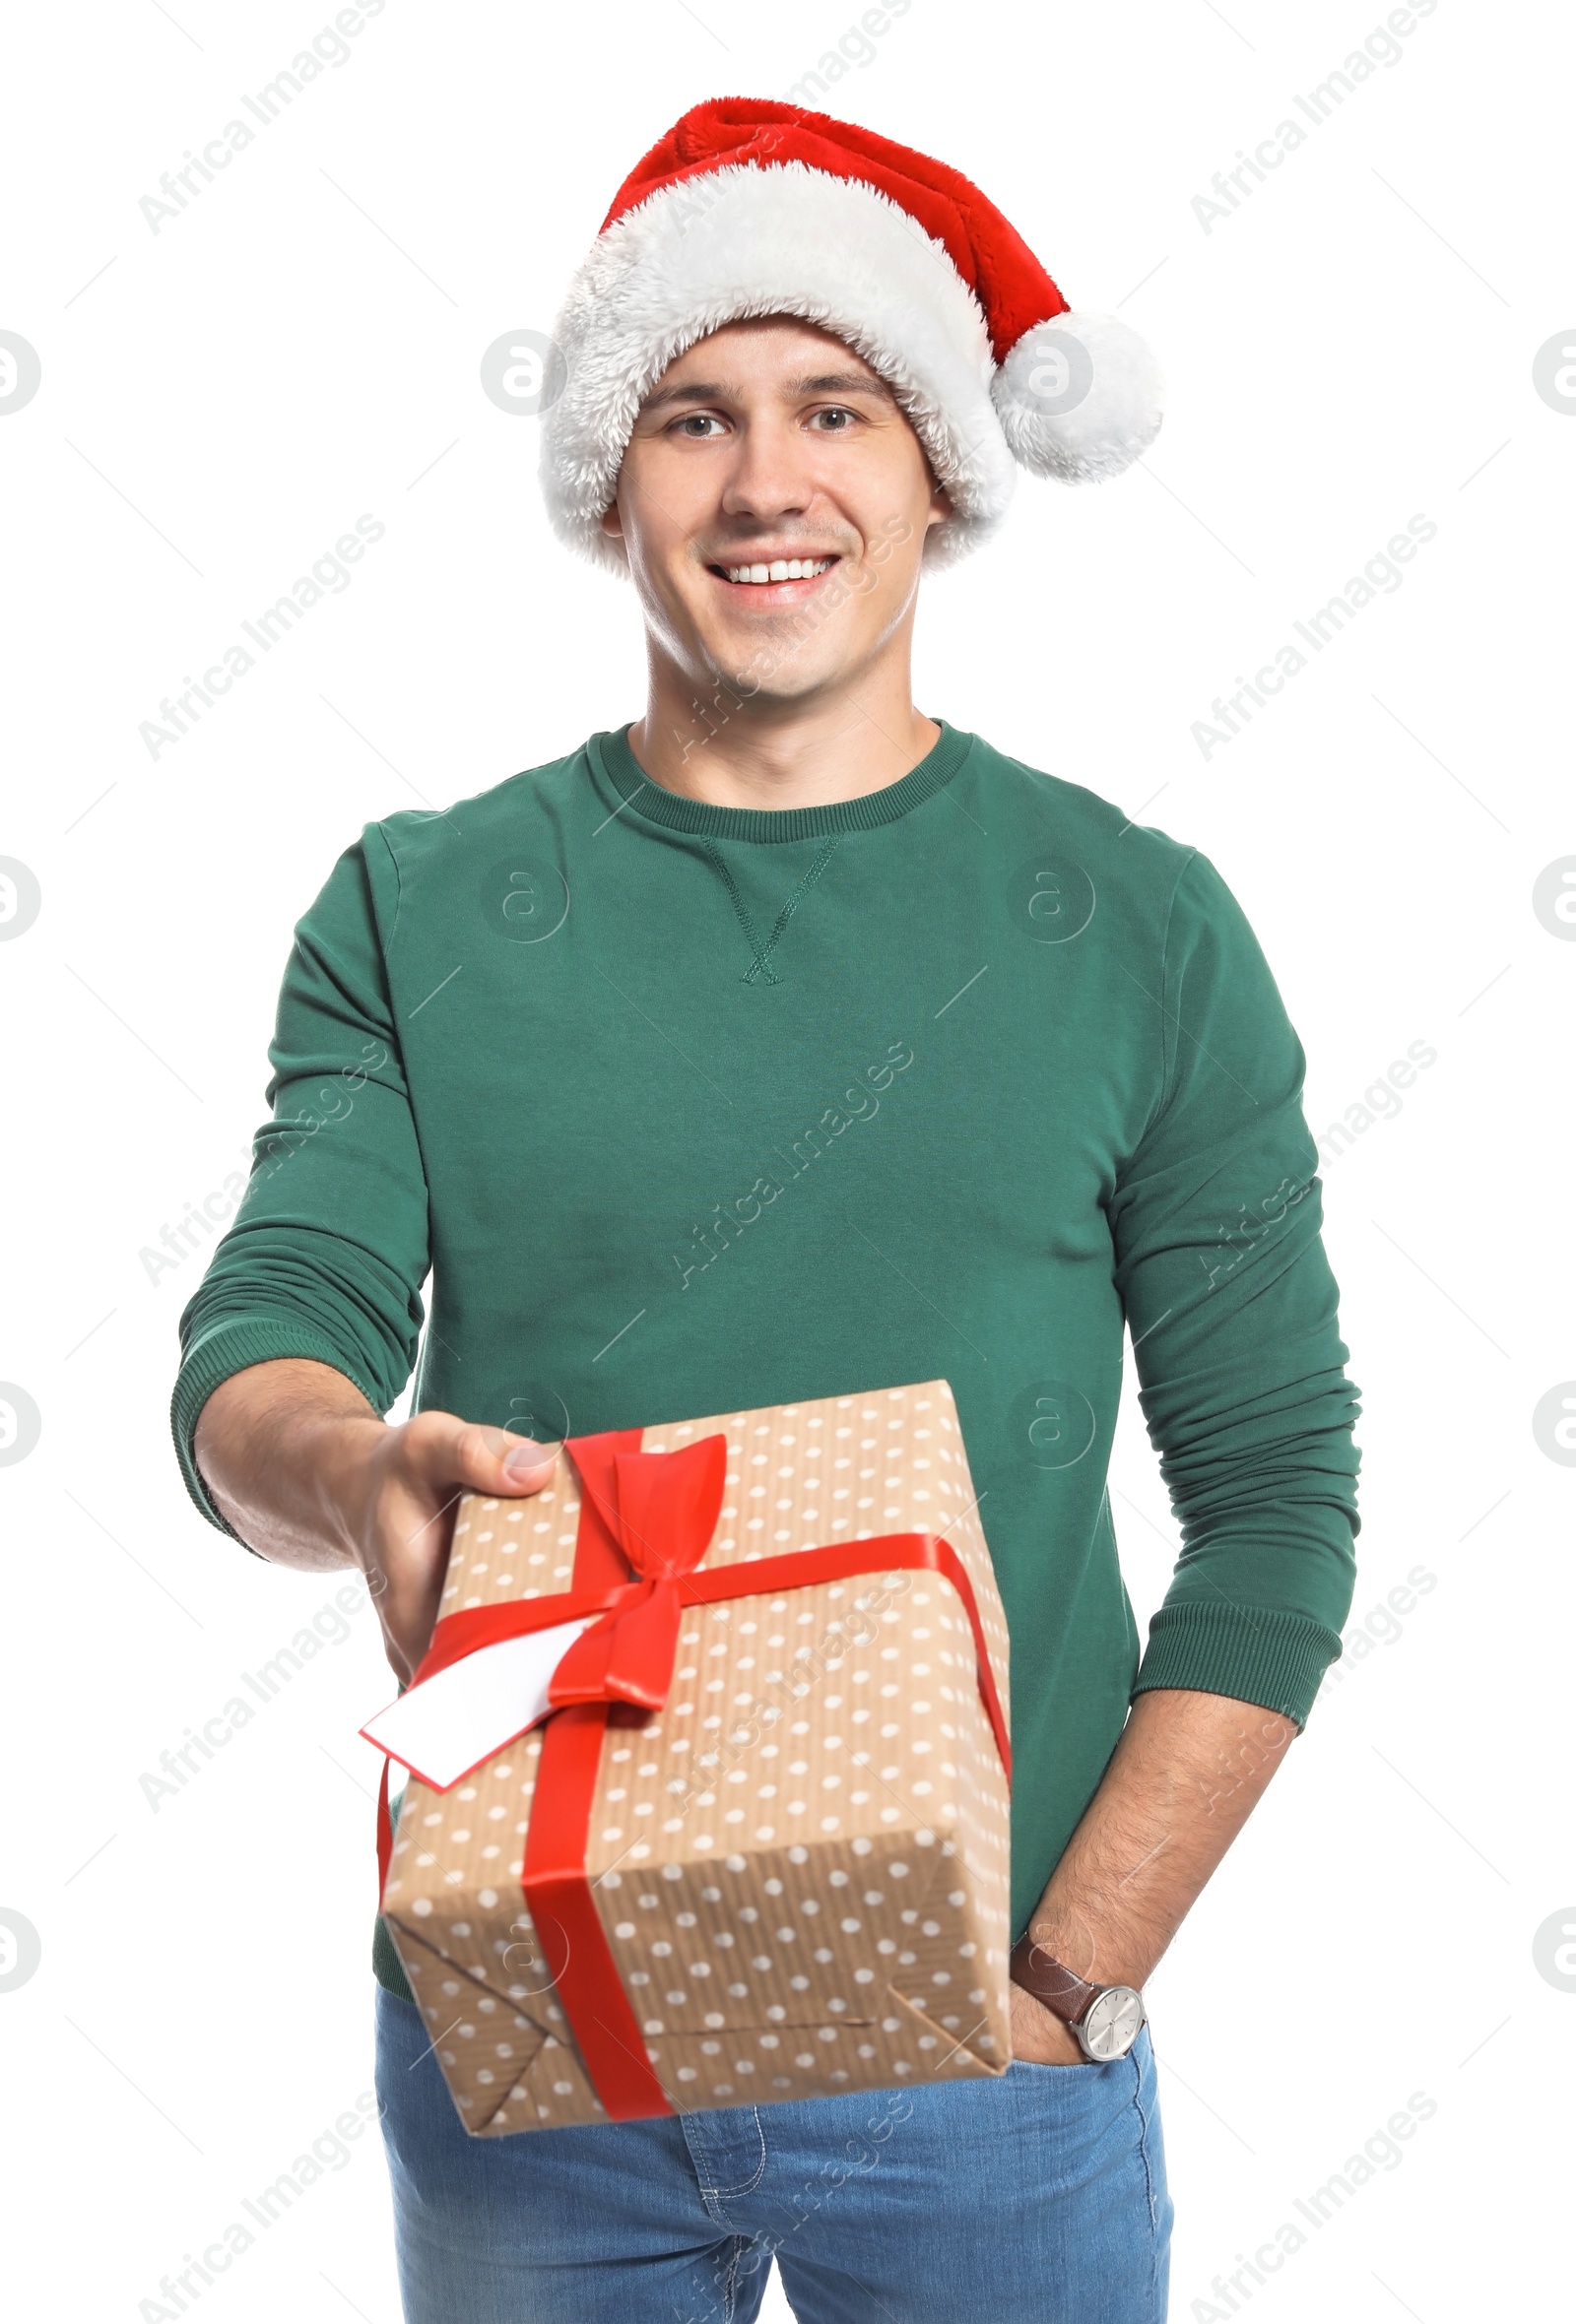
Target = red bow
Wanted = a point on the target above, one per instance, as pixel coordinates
(663, 1507)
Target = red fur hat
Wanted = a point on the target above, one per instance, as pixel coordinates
(753, 208)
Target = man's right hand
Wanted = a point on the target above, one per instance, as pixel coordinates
(399, 1492)
(297, 1461)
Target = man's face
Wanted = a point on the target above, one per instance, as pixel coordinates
(773, 502)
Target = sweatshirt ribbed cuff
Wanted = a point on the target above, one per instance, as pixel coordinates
(1255, 1653)
(227, 1348)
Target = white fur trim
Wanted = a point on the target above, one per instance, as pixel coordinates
(1078, 398)
(784, 239)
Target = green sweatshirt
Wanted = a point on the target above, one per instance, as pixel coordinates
(683, 1109)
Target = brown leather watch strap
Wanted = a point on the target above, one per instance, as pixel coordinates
(1041, 1974)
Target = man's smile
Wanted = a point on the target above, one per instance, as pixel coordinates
(776, 580)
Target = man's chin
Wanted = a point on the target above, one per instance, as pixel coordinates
(768, 662)
(767, 686)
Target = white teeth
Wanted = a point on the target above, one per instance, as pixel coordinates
(790, 568)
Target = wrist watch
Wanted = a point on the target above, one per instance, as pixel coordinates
(1107, 2018)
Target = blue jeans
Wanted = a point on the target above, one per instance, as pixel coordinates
(1037, 2197)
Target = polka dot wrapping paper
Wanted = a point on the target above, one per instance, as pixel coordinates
(801, 1859)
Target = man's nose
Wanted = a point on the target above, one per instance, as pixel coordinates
(770, 476)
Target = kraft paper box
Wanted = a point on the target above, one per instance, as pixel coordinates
(800, 1860)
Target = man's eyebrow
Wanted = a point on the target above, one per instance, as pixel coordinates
(711, 391)
(697, 390)
(843, 383)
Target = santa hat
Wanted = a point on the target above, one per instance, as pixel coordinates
(749, 208)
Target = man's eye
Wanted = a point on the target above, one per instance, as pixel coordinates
(699, 423)
(838, 417)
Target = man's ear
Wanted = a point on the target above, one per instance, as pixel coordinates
(610, 521)
(941, 507)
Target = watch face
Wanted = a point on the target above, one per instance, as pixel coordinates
(1112, 2024)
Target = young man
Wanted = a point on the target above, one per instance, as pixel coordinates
(790, 1043)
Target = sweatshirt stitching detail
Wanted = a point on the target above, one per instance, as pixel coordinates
(399, 891)
(1170, 1019)
(828, 850)
(709, 851)
(760, 970)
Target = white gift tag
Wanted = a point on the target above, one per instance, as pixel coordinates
(450, 1723)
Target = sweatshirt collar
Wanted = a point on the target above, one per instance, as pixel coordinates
(616, 763)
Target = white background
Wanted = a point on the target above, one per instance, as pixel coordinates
(1352, 345)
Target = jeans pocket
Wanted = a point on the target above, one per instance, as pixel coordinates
(1051, 2066)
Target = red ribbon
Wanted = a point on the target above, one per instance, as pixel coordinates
(654, 1512)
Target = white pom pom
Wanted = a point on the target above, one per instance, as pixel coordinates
(1078, 398)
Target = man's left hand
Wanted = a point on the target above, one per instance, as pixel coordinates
(1038, 2035)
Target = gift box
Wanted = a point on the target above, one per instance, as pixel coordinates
(708, 1802)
